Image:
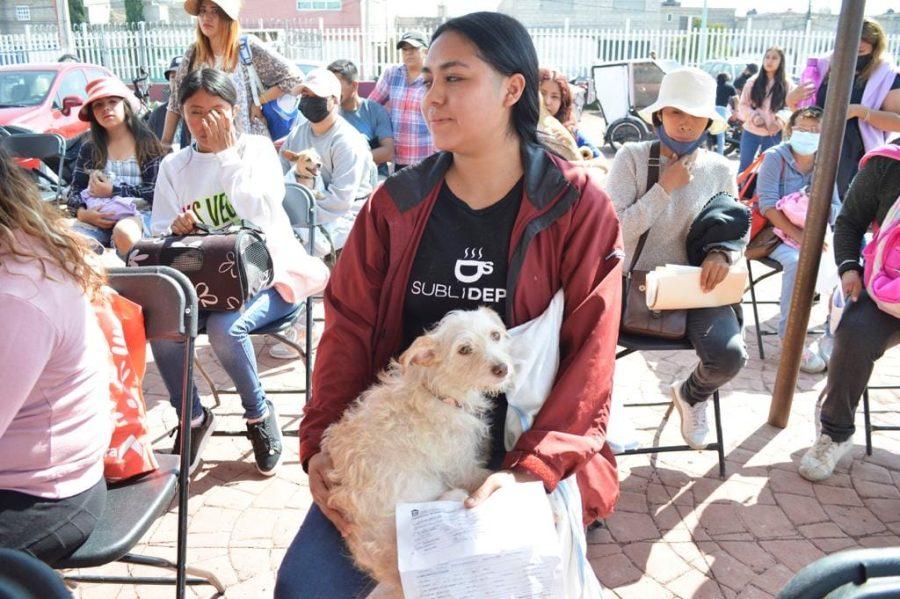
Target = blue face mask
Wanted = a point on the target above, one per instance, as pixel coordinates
(804, 142)
(681, 148)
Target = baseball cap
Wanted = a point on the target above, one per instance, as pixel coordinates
(322, 83)
(416, 39)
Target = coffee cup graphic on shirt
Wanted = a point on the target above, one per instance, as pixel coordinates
(470, 270)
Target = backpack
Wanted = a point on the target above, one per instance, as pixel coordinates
(882, 258)
(747, 195)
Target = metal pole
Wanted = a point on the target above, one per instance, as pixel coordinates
(824, 173)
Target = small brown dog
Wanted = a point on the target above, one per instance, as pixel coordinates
(306, 166)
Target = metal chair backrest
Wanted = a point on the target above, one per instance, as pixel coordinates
(300, 205)
(49, 148)
(166, 297)
(25, 577)
(851, 573)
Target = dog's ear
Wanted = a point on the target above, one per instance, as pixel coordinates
(421, 352)
(290, 156)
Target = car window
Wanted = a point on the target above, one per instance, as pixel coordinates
(96, 74)
(24, 88)
(72, 84)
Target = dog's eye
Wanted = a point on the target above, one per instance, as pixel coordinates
(495, 335)
(465, 350)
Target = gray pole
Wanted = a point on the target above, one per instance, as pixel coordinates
(837, 99)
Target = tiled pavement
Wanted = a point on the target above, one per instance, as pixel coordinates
(679, 531)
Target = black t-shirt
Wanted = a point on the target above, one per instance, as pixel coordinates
(724, 92)
(852, 149)
(461, 263)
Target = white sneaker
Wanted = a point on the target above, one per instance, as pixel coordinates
(812, 362)
(297, 334)
(819, 461)
(694, 426)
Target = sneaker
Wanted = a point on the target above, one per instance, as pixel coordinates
(812, 362)
(266, 439)
(199, 436)
(297, 334)
(694, 427)
(820, 460)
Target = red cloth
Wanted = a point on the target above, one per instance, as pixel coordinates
(566, 235)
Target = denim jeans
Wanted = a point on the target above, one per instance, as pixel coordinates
(788, 258)
(318, 565)
(229, 337)
(720, 137)
(863, 335)
(718, 340)
(751, 142)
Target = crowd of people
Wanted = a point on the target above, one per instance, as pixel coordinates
(447, 154)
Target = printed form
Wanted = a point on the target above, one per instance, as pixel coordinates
(506, 548)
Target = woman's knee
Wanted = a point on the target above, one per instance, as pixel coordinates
(222, 328)
(125, 234)
(727, 359)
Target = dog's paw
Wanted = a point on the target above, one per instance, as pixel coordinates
(454, 495)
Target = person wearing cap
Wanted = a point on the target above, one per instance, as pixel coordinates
(218, 45)
(368, 117)
(404, 87)
(347, 170)
(689, 176)
(120, 158)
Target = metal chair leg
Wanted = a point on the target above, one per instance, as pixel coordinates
(868, 421)
(720, 445)
(759, 341)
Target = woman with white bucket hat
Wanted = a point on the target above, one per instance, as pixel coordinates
(689, 176)
(219, 46)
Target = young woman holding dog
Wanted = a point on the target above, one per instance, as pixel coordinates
(689, 176)
(121, 158)
(497, 220)
(226, 178)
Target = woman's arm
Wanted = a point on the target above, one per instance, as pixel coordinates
(570, 428)
(166, 204)
(858, 212)
(745, 111)
(886, 119)
(84, 164)
(254, 183)
(149, 172)
(637, 213)
(769, 187)
(277, 74)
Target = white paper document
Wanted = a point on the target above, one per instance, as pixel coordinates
(677, 287)
(506, 548)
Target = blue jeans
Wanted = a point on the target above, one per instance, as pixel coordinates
(318, 565)
(751, 142)
(787, 257)
(720, 137)
(229, 337)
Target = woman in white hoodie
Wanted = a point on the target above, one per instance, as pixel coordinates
(225, 178)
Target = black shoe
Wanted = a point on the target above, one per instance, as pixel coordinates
(266, 439)
(199, 436)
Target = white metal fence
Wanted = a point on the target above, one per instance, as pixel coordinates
(124, 49)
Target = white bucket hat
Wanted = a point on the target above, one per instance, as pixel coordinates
(232, 8)
(689, 90)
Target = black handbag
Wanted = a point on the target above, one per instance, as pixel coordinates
(637, 318)
(226, 266)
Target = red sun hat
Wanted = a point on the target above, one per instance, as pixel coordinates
(107, 87)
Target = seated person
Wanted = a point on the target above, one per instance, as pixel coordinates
(558, 98)
(116, 168)
(221, 179)
(55, 424)
(865, 331)
(368, 117)
(788, 168)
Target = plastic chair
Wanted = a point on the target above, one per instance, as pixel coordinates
(169, 306)
(635, 343)
(853, 573)
(870, 428)
(23, 576)
(300, 205)
(776, 268)
(49, 148)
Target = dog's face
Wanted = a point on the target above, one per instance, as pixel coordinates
(306, 163)
(468, 349)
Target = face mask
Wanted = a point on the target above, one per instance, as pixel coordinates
(314, 109)
(681, 148)
(804, 142)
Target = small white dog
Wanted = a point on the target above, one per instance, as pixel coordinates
(306, 168)
(419, 434)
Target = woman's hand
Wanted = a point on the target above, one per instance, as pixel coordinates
(219, 131)
(492, 483)
(99, 186)
(103, 220)
(851, 284)
(713, 271)
(184, 223)
(801, 92)
(320, 489)
(677, 174)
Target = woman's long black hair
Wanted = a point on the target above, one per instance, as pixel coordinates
(504, 43)
(212, 81)
(779, 87)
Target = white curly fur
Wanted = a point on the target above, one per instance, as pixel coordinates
(419, 434)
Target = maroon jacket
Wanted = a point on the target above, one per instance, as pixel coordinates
(565, 235)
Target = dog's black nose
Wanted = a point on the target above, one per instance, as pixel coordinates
(499, 370)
